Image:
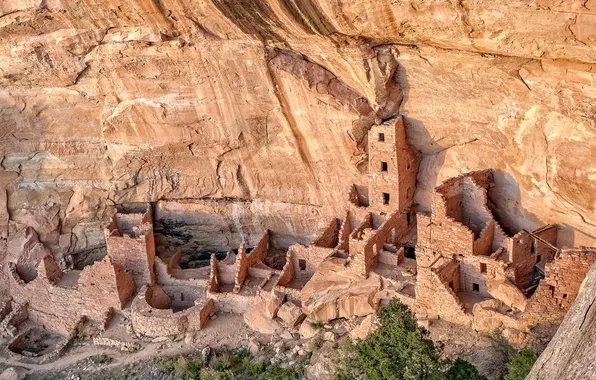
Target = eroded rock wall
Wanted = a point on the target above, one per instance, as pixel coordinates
(117, 101)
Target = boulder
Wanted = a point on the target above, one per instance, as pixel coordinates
(490, 315)
(507, 293)
(274, 302)
(256, 319)
(334, 292)
(365, 327)
(291, 314)
(306, 329)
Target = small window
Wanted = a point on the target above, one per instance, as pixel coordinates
(409, 218)
(482, 268)
(538, 258)
(385, 198)
(383, 166)
(451, 285)
(181, 296)
(381, 137)
(564, 295)
(476, 288)
(533, 247)
(302, 264)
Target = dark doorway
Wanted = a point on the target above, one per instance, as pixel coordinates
(385, 198)
(302, 264)
(409, 252)
(476, 288)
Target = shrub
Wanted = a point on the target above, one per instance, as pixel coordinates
(521, 364)
(229, 365)
(399, 350)
(463, 370)
(316, 325)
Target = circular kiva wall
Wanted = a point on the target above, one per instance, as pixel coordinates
(177, 298)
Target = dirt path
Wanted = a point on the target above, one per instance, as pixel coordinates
(226, 330)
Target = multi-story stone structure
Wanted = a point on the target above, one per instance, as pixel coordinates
(464, 269)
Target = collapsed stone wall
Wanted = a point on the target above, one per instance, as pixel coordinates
(558, 290)
(435, 294)
(100, 287)
(307, 259)
(329, 236)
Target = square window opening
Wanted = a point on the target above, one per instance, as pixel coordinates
(476, 288)
(383, 166)
(385, 198)
(302, 264)
(538, 258)
(564, 295)
(381, 137)
(482, 268)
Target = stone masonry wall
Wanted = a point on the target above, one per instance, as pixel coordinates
(393, 167)
(329, 236)
(344, 233)
(522, 259)
(434, 296)
(312, 256)
(288, 272)
(99, 289)
(557, 291)
(133, 254)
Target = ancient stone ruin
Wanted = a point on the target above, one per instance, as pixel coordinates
(454, 263)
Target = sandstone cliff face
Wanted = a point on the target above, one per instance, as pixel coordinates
(570, 354)
(270, 100)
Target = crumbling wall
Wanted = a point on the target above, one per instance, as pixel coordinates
(288, 272)
(557, 291)
(242, 264)
(522, 259)
(99, 289)
(329, 236)
(134, 254)
(484, 243)
(435, 296)
(260, 251)
(307, 259)
(542, 251)
(213, 276)
(237, 303)
(149, 321)
(344, 233)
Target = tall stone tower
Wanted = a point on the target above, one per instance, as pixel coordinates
(392, 168)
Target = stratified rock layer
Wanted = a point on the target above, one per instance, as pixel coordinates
(116, 101)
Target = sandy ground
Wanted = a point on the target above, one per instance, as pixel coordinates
(226, 330)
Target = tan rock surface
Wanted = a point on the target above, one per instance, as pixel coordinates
(291, 314)
(570, 354)
(256, 319)
(273, 303)
(130, 101)
(334, 292)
